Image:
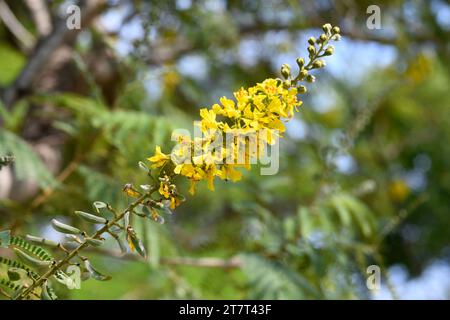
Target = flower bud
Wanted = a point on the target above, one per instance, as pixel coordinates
(335, 30)
(287, 83)
(319, 64)
(311, 50)
(312, 41)
(336, 37)
(326, 27)
(323, 37)
(301, 89)
(300, 62)
(310, 78)
(303, 74)
(329, 51)
(286, 70)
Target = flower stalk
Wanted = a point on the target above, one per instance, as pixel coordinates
(71, 254)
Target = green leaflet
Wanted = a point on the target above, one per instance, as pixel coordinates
(94, 273)
(95, 242)
(64, 228)
(5, 238)
(20, 265)
(27, 164)
(273, 280)
(31, 260)
(8, 284)
(90, 217)
(46, 294)
(41, 240)
(31, 248)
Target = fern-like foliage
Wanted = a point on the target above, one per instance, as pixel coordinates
(273, 280)
(27, 164)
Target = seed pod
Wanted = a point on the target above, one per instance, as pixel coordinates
(31, 260)
(94, 242)
(65, 228)
(41, 241)
(90, 217)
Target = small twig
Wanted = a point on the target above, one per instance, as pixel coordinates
(41, 16)
(234, 262)
(3, 292)
(25, 38)
(207, 262)
(45, 49)
(55, 268)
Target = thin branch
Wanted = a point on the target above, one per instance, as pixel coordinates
(41, 16)
(25, 38)
(4, 293)
(233, 262)
(207, 262)
(73, 253)
(45, 48)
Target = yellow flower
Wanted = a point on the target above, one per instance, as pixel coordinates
(159, 159)
(208, 119)
(229, 173)
(261, 110)
(164, 190)
(130, 191)
(229, 107)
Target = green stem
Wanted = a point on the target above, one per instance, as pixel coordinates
(55, 268)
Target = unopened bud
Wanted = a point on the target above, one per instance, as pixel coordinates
(319, 64)
(301, 89)
(335, 30)
(286, 70)
(312, 41)
(323, 37)
(310, 78)
(336, 37)
(303, 74)
(312, 50)
(287, 83)
(300, 62)
(329, 51)
(326, 27)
